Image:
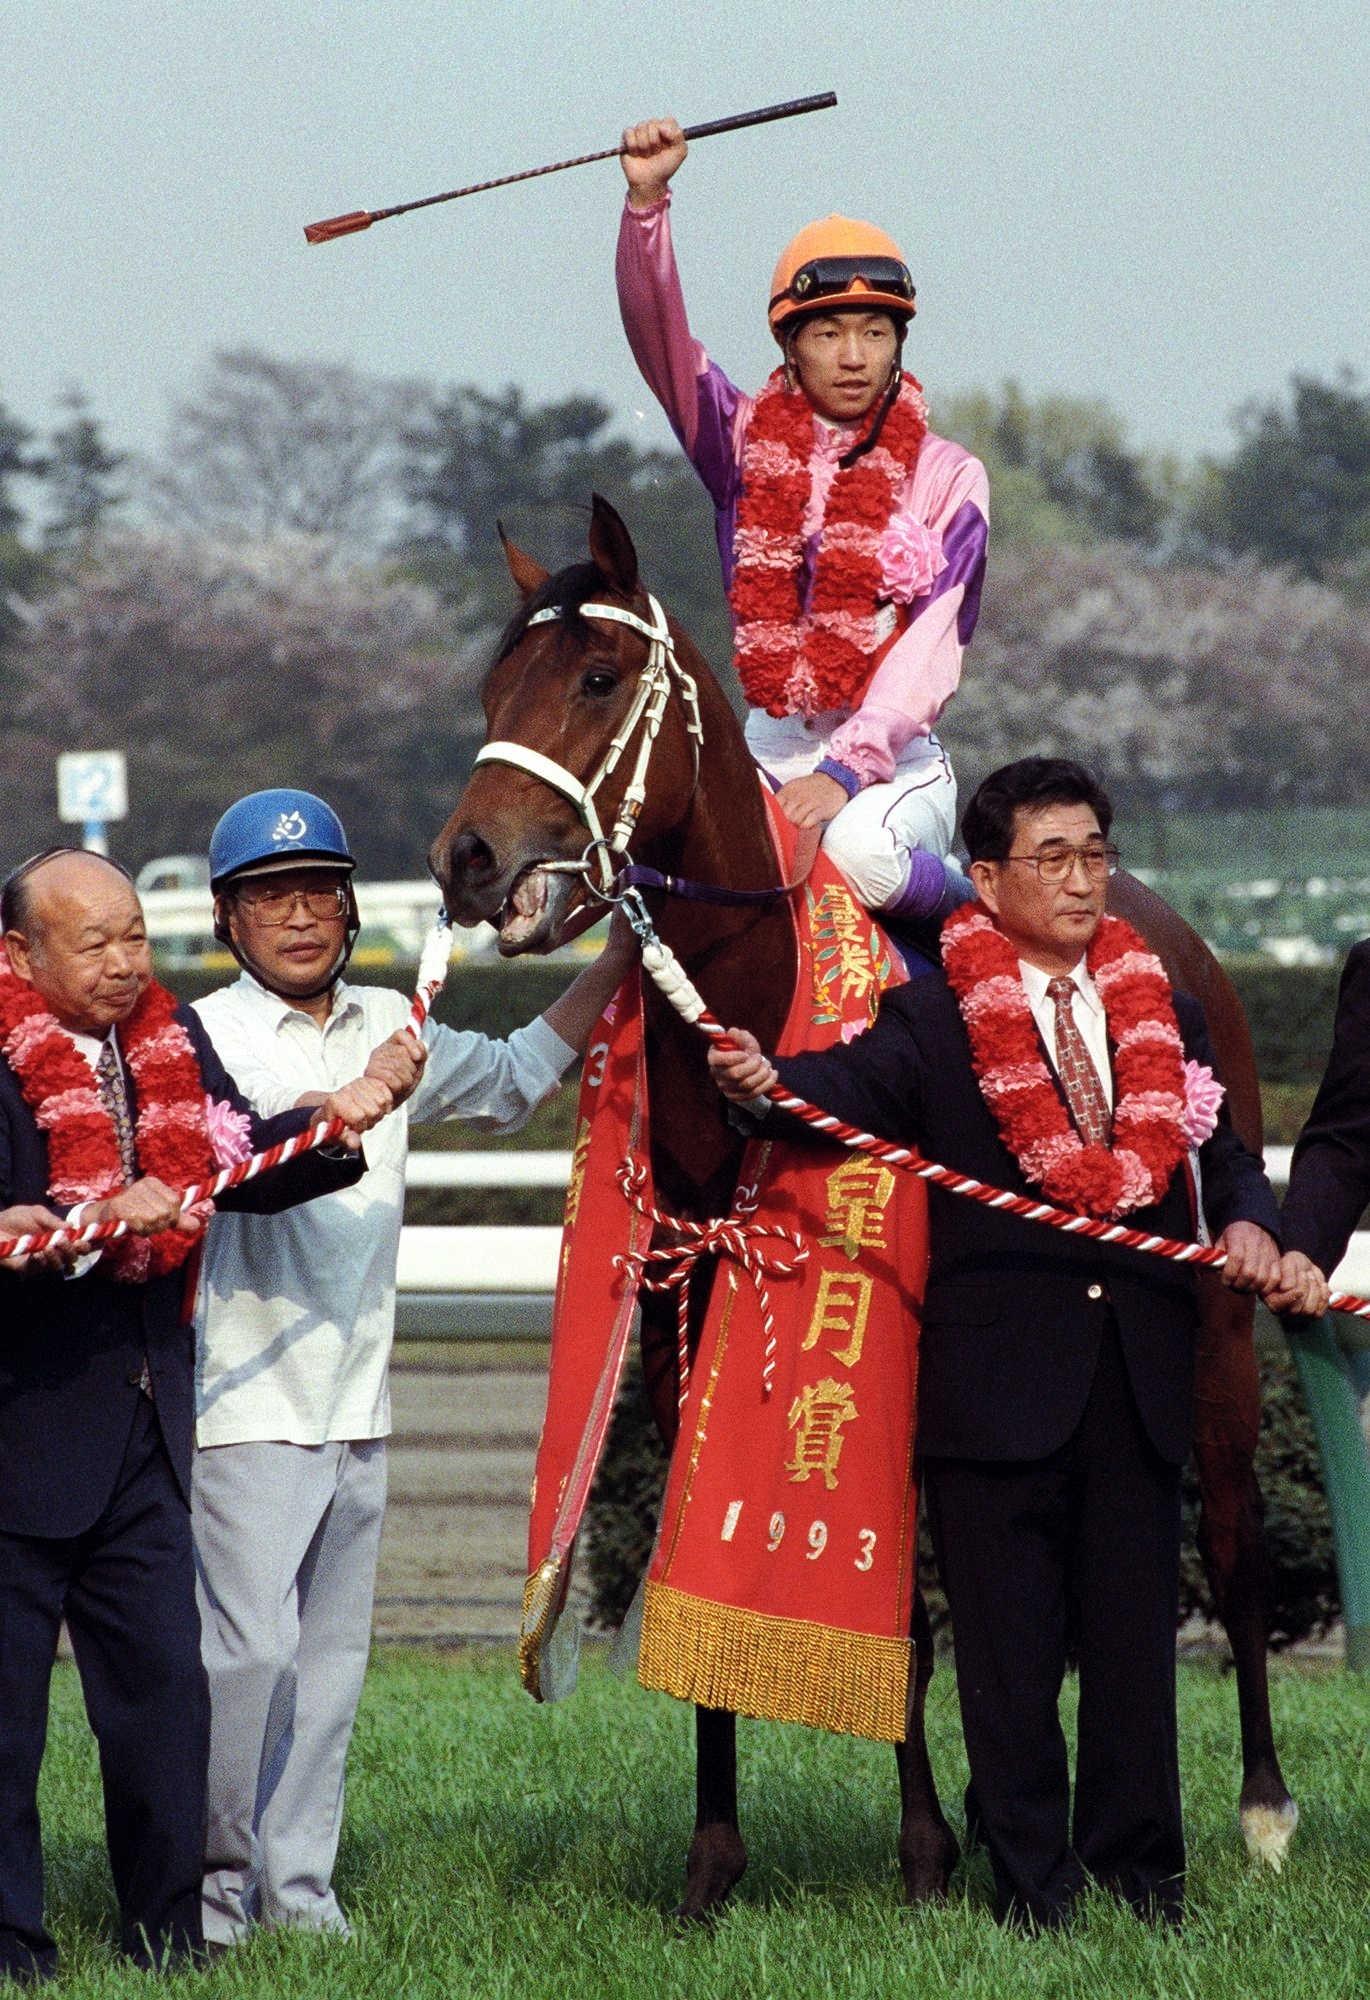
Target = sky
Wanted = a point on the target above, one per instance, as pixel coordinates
(1162, 205)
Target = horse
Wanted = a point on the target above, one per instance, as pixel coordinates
(571, 688)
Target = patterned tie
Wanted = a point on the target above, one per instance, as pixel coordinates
(110, 1078)
(1079, 1078)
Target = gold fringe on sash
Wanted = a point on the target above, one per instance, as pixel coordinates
(539, 1602)
(780, 1669)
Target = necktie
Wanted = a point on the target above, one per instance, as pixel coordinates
(1079, 1078)
(110, 1078)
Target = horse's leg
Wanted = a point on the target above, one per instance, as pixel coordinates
(717, 1857)
(928, 1850)
(1232, 1544)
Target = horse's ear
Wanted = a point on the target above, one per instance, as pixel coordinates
(527, 574)
(611, 547)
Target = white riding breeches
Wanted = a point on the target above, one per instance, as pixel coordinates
(871, 837)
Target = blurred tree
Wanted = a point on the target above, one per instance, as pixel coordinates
(16, 462)
(21, 568)
(1060, 468)
(80, 473)
(1184, 688)
(1297, 488)
(272, 447)
(480, 459)
(221, 668)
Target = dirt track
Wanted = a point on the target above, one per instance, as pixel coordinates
(466, 1421)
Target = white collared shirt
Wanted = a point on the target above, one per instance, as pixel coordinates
(296, 1311)
(92, 1046)
(1087, 1011)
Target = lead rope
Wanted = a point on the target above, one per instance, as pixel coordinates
(432, 976)
(675, 985)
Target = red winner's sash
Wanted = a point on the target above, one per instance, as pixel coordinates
(591, 1318)
(782, 1581)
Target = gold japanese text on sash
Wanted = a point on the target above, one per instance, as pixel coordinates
(781, 1585)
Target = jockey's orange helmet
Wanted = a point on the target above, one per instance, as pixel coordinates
(839, 262)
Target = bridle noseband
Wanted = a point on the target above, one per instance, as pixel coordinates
(659, 676)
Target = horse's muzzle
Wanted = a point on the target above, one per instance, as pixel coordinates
(526, 904)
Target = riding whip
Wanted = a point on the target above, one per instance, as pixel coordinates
(362, 218)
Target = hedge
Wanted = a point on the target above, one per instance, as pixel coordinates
(1290, 1008)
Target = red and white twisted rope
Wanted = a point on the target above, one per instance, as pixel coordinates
(432, 974)
(674, 1264)
(676, 986)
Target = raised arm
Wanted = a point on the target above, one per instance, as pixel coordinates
(705, 410)
(496, 1084)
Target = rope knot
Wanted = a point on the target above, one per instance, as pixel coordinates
(760, 1249)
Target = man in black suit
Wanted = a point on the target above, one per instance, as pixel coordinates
(1055, 1374)
(96, 1417)
(1329, 1178)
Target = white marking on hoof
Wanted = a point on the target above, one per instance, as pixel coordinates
(1267, 1831)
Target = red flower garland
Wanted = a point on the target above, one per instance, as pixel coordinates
(789, 660)
(171, 1131)
(1149, 1132)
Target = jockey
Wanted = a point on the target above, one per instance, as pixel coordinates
(852, 539)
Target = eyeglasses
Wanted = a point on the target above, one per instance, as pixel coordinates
(1057, 862)
(277, 906)
(827, 277)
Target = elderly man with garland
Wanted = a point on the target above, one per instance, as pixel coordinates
(852, 539)
(295, 1333)
(112, 1100)
(1049, 1056)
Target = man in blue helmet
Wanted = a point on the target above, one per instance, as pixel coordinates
(295, 1327)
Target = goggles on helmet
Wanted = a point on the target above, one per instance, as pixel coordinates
(830, 277)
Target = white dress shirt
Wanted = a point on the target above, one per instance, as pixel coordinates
(1087, 1010)
(296, 1311)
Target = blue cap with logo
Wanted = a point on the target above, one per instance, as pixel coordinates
(282, 828)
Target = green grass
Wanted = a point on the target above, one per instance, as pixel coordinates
(495, 1849)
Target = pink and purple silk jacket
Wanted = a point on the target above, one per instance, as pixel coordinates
(947, 493)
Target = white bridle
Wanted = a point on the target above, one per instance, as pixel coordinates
(654, 684)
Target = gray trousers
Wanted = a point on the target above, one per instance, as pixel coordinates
(286, 1540)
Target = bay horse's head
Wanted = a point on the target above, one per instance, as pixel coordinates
(570, 701)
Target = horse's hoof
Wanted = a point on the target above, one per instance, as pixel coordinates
(716, 1863)
(1268, 1830)
(927, 1863)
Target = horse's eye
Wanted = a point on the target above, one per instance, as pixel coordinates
(599, 681)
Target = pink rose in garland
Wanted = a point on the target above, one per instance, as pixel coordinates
(230, 1133)
(1203, 1096)
(911, 559)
